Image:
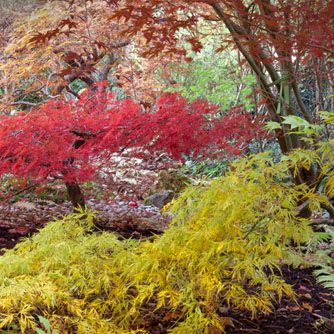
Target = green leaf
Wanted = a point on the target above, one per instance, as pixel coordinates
(289, 158)
(203, 81)
(39, 331)
(279, 102)
(295, 122)
(45, 322)
(278, 80)
(326, 116)
(272, 126)
(249, 79)
(286, 94)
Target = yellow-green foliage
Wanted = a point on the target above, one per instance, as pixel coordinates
(62, 274)
(215, 252)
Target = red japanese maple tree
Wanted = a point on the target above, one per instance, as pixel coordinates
(72, 140)
(286, 43)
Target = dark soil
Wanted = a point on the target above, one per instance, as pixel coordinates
(311, 313)
(9, 239)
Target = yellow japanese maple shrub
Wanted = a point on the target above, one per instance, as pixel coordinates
(226, 240)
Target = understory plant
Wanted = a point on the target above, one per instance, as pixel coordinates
(324, 260)
(224, 248)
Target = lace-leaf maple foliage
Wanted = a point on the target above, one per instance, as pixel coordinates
(73, 140)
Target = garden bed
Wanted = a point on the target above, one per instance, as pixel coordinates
(310, 313)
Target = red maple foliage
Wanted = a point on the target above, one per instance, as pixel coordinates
(72, 140)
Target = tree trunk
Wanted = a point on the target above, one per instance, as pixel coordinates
(271, 81)
(76, 196)
(73, 189)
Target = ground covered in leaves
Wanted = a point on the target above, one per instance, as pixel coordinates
(129, 219)
(312, 312)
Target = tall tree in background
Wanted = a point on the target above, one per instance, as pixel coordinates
(278, 40)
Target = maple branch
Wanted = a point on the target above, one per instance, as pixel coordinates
(32, 91)
(329, 208)
(111, 59)
(32, 104)
(242, 33)
(329, 222)
(46, 90)
(274, 33)
(321, 47)
(33, 184)
(43, 88)
(69, 89)
(118, 45)
(69, 78)
(82, 134)
(238, 33)
(238, 95)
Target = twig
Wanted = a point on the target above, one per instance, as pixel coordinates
(9, 196)
(329, 222)
(24, 189)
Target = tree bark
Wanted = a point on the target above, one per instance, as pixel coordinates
(76, 196)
